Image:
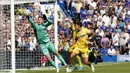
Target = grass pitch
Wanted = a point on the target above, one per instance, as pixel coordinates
(100, 68)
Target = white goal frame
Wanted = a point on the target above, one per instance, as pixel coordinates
(12, 3)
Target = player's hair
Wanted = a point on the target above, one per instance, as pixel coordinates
(79, 23)
(43, 17)
(40, 17)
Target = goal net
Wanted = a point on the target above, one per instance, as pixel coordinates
(4, 38)
(28, 54)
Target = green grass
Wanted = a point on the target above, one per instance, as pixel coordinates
(100, 68)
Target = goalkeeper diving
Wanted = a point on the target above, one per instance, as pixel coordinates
(44, 41)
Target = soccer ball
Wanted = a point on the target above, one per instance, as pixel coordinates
(20, 10)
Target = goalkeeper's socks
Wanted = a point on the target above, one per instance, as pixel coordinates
(53, 63)
(61, 59)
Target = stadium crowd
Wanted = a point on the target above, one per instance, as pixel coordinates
(108, 19)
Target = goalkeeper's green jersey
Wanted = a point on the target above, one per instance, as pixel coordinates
(41, 32)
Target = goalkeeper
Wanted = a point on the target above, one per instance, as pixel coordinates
(44, 41)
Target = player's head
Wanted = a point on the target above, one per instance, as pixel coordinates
(42, 19)
(111, 47)
(78, 25)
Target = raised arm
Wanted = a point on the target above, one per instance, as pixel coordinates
(30, 19)
(48, 23)
(34, 25)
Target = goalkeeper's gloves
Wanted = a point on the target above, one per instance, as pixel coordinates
(44, 17)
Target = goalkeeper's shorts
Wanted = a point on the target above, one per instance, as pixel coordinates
(47, 48)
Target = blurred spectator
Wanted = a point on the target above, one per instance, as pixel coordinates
(98, 55)
(99, 21)
(97, 39)
(83, 12)
(27, 33)
(65, 43)
(78, 6)
(90, 11)
(86, 20)
(103, 27)
(108, 34)
(117, 51)
(126, 35)
(122, 23)
(127, 11)
(113, 20)
(8, 44)
(115, 39)
(93, 4)
(33, 42)
(99, 31)
(123, 42)
(111, 51)
(106, 20)
(105, 42)
(103, 10)
(118, 9)
(37, 6)
(129, 51)
(129, 43)
(27, 44)
(118, 29)
(103, 51)
(60, 17)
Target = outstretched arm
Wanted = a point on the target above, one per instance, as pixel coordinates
(30, 19)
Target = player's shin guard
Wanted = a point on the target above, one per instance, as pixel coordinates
(52, 63)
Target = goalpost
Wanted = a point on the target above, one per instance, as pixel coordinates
(10, 57)
(12, 37)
